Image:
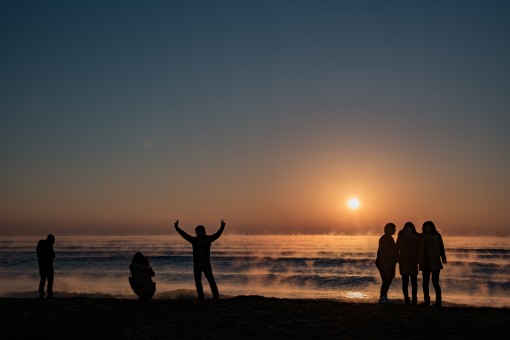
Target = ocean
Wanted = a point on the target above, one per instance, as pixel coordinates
(284, 266)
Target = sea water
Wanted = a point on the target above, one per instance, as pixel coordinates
(284, 266)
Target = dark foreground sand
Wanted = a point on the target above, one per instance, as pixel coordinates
(242, 318)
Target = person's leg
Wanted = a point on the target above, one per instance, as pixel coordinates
(414, 289)
(383, 289)
(147, 292)
(389, 279)
(386, 282)
(142, 294)
(197, 271)
(210, 277)
(426, 293)
(437, 288)
(42, 281)
(405, 285)
(51, 274)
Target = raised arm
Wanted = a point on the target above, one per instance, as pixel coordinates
(217, 234)
(181, 232)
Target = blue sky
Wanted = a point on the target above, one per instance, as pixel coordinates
(270, 114)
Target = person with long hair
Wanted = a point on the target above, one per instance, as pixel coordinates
(407, 248)
(386, 261)
(432, 256)
(141, 277)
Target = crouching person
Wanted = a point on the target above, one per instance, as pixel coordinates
(140, 279)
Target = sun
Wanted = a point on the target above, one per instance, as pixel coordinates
(353, 203)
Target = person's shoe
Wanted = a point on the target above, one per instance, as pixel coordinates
(199, 300)
(384, 300)
(216, 297)
(407, 300)
(414, 301)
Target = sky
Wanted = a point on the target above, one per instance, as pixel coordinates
(119, 117)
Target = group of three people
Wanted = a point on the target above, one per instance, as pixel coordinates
(414, 252)
(141, 272)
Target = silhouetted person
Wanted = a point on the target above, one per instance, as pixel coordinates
(45, 256)
(141, 277)
(431, 255)
(386, 261)
(201, 257)
(407, 248)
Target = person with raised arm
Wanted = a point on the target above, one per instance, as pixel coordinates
(202, 257)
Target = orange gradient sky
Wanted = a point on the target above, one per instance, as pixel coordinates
(270, 116)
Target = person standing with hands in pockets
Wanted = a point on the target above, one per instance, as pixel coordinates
(202, 257)
(45, 256)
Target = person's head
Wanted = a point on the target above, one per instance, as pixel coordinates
(51, 239)
(138, 258)
(409, 228)
(429, 228)
(389, 228)
(200, 230)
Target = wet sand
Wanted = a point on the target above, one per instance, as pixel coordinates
(244, 317)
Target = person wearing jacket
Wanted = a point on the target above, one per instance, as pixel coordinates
(407, 248)
(141, 276)
(202, 257)
(386, 261)
(432, 256)
(45, 256)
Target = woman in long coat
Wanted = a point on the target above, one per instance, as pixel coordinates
(431, 257)
(407, 248)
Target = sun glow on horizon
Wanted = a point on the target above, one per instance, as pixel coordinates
(353, 203)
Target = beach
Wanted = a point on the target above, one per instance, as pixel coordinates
(242, 317)
(278, 287)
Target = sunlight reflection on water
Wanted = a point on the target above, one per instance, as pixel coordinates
(350, 294)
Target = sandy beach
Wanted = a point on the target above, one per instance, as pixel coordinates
(243, 317)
